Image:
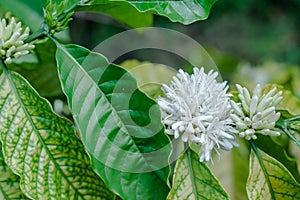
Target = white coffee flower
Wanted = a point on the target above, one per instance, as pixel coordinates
(12, 38)
(256, 114)
(197, 109)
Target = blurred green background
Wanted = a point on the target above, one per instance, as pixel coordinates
(251, 41)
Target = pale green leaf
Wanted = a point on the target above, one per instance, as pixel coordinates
(150, 76)
(42, 148)
(274, 149)
(9, 182)
(276, 183)
(194, 180)
(119, 125)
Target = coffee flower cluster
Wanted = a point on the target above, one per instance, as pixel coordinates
(256, 114)
(197, 109)
(12, 37)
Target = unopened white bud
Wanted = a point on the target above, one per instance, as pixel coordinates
(12, 38)
(259, 112)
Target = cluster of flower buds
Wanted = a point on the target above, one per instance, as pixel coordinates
(12, 37)
(256, 114)
(198, 109)
(55, 17)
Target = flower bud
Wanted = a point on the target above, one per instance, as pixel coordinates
(12, 43)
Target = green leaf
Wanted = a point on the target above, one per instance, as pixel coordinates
(183, 11)
(269, 146)
(41, 72)
(42, 148)
(193, 180)
(150, 76)
(9, 182)
(120, 126)
(121, 11)
(29, 11)
(281, 182)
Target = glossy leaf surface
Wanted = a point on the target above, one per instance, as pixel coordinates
(119, 125)
(183, 11)
(121, 11)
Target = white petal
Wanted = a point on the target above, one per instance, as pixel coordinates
(277, 101)
(256, 117)
(246, 95)
(225, 135)
(267, 112)
(253, 105)
(264, 103)
(241, 125)
(257, 90)
(236, 108)
(257, 125)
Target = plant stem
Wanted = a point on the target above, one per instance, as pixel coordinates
(4, 67)
(291, 136)
(38, 34)
(53, 39)
(261, 163)
(297, 117)
(284, 126)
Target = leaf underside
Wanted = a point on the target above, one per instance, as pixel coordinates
(42, 148)
(119, 125)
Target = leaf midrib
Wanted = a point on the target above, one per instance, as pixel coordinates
(263, 168)
(15, 91)
(189, 157)
(113, 109)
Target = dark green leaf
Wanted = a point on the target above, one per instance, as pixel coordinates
(42, 148)
(283, 185)
(121, 11)
(120, 126)
(193, 180)
(183, 11)
(9, 182)
(42, 72)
